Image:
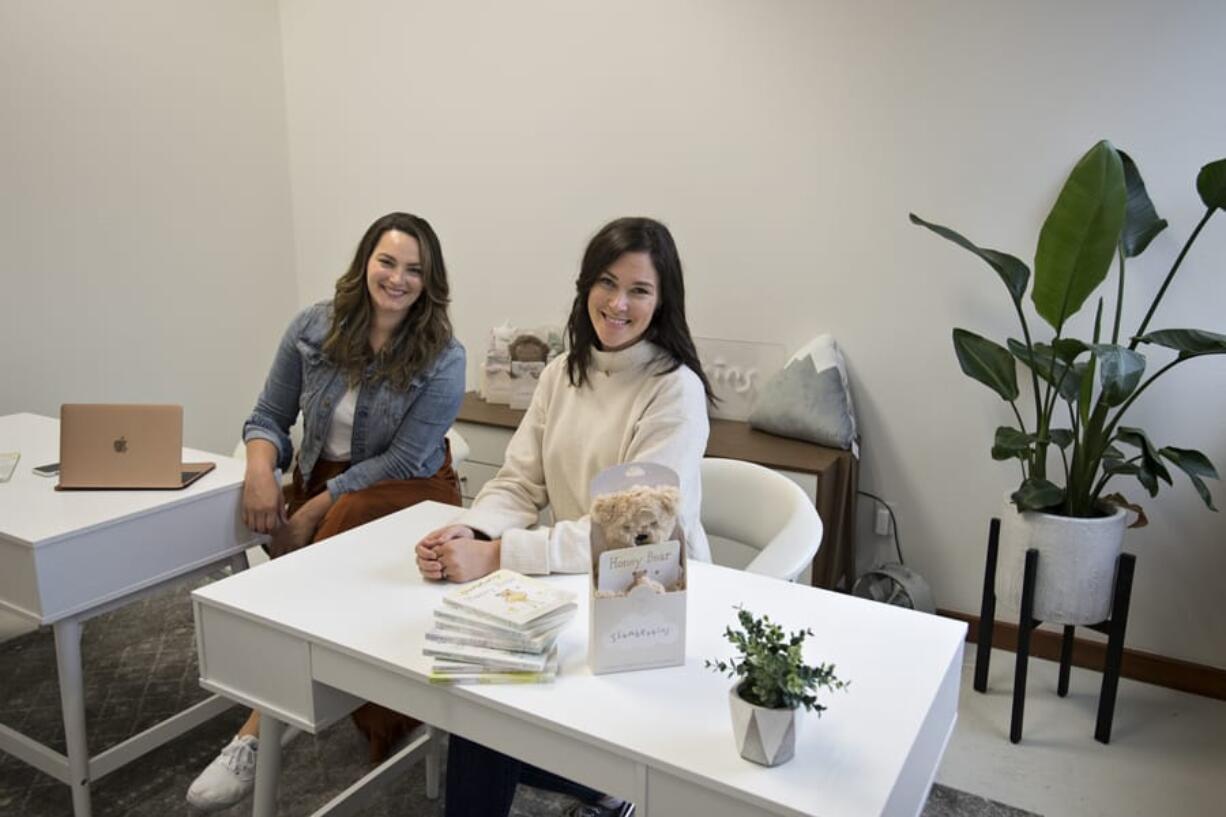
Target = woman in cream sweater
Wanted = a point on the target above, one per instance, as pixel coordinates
(630, 389)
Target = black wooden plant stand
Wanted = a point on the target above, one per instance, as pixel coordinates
(1113, 627)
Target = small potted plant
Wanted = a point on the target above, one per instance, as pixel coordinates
(771, 682)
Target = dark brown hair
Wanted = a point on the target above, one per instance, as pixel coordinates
(668, 328)
(419, 338)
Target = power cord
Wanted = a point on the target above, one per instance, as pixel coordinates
(893, 522)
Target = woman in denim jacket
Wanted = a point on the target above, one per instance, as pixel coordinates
(378, 378)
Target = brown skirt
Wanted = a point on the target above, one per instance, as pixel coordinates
(383, 727)
(383, 498)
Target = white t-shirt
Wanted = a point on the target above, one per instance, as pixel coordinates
(340, 430)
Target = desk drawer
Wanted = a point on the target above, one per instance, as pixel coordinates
(265, 668)
(70, 575)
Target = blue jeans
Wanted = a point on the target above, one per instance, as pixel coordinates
(482, 782)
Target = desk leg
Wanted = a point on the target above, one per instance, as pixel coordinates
(72, 704)
(434, 762)
(642, 805)
(268, 766)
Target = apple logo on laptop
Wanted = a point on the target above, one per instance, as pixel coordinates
(121, 445)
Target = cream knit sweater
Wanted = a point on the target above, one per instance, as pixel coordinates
(626, 412)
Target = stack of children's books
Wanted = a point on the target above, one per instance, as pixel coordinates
(497, 630)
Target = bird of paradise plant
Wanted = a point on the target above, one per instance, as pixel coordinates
(1103, 214)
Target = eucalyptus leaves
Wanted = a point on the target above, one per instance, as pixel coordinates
(772, 668)
(1102, 214)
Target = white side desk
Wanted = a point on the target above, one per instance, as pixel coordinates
(303, 638)
(68, 556)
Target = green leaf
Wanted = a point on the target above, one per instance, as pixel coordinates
(1211, 184)
(1079, 237)
(1112, 453)
(1121, 467)
(1067, 349)
(1195, 465)
(1152, 468)
(1011, 270)
(1037, 494)
(1188, 342)
(1062, 437)
(1120, 370)
(1190, 461)
(1010, 443)
(1086, 393)
(1060, 374)
(1148, 478)
(988, 362)
(1141, 222)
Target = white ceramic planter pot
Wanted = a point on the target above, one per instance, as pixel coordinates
(1077, 560)
(765, 736)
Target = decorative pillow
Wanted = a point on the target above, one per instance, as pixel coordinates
(810, 399)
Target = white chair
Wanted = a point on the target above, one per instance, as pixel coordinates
(757, 519)
(459, 446)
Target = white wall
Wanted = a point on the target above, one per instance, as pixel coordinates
(146, 242)
(785, 142)
(143, 164)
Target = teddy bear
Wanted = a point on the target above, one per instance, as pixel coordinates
(639, 515)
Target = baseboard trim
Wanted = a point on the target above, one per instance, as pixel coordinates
(1150, 668)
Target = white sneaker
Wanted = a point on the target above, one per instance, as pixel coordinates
(228, 779)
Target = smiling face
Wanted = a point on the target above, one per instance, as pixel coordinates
(623, 300)
(393, 276)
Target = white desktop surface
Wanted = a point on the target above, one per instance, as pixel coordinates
(360, 608)
(32, 512)
(63, 553)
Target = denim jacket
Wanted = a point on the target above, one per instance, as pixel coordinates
(396, 434)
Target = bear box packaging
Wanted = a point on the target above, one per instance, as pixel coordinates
(638, 598)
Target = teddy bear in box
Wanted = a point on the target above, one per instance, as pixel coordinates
(639, 515)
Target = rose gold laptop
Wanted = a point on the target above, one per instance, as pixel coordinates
(113, 446)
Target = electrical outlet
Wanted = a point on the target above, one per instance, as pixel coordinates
(881, 525)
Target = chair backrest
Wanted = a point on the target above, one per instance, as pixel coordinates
(761, 513)
(459, 446)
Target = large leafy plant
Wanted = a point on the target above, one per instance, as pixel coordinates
(773, 671)
(1103, 214)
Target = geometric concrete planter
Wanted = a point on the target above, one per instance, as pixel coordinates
(1077, 560)
(765, 736)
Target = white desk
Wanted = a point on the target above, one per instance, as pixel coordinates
(300, 637)
(68, 556)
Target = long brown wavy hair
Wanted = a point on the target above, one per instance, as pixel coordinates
(668, 328)
(420, 337)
